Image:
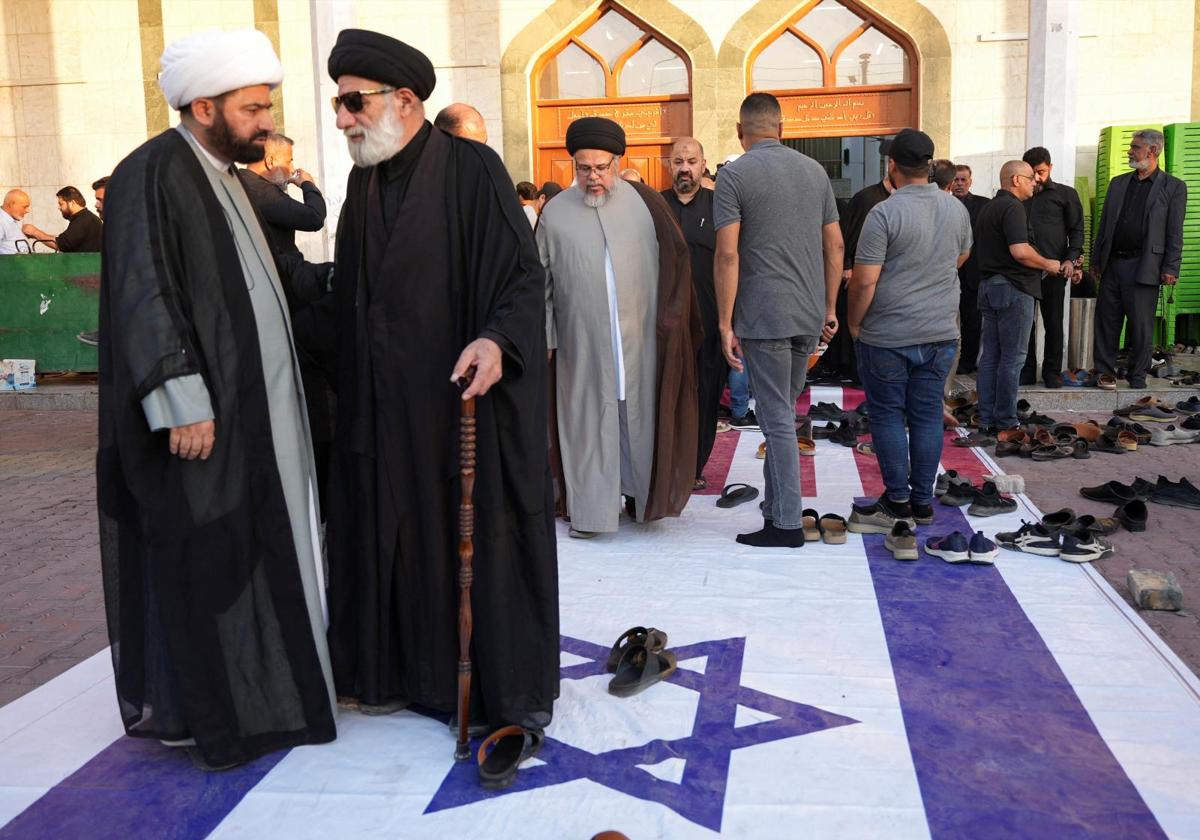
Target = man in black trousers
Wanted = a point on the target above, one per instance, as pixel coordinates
(692, 205)
(968, 275)
(1138, 250)
(1056, 223)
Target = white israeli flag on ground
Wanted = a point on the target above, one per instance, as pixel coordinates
(830, 692)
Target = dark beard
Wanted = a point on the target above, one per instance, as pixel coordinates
(690, 186)
(228, 145)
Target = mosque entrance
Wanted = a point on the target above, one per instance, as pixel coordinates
(614, 66)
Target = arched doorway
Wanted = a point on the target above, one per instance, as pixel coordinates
(617, 66)
(845, 81)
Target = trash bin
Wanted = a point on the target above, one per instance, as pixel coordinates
(1079, 342)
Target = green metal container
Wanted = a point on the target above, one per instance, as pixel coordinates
(46, 300)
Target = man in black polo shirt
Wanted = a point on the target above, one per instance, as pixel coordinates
(1138, 249)
(968, 274)
(84, 230)
(1011, 272)
(1056, 221)
(693, 207)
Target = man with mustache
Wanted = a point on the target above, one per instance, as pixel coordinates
(438, 276)
(692, 204)
(266, 182)
(205, 482)
(622, 322)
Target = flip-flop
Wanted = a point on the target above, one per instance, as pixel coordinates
(652, 637)
(640, 668)
(734, 494)
(833, 529)
(510, 746)
(807, 445)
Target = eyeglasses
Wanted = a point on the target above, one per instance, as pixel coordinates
(587, 171)
(353, 99)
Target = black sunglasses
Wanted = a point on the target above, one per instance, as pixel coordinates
(353, 99)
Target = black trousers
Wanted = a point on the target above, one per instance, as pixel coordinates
(711, 373)
(970, 328)
(1054, 293)
(840, 355)
(1122, 299)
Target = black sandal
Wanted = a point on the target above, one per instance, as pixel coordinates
(639, 669)
(652, 637)
(734, 494)
(510, 746)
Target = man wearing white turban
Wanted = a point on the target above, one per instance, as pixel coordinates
(205, 481)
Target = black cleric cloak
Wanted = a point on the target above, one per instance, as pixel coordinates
(458, 262)
(206, 609)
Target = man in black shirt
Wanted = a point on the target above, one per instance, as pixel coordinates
(84, 230)
(266, 185)
(1138, 249)
(693, 207)
(1011, 272)
(1056, 222)
(968, 274)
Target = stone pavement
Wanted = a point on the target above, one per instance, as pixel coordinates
(51, 601)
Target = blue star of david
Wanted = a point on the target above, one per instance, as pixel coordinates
(700, 795)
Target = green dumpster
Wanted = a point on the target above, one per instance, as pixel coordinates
(45, 301)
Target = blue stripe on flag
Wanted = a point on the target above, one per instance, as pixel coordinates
(1001, 743)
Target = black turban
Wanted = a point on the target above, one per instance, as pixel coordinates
(595, 133)
(374, 55)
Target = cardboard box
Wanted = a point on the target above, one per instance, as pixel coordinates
(17, 375)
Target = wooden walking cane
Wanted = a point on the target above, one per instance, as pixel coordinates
(466, 555)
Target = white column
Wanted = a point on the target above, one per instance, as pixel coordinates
(333, 161)
(1051, 83)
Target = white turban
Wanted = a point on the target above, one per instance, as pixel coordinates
(212, 63)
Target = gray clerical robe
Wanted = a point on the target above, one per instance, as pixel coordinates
(575, 241)
(185, 400)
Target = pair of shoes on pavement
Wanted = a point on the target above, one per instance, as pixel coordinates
(1067, 520)
(984, 501)
(957, 548)
(830, 528)
(1079, 545)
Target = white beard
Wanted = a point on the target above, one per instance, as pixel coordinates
(592, 200)
(380, 142)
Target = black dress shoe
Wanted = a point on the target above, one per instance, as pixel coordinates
(1113, 491)
(1182, 494)
(1133, 515)
(1143, 488)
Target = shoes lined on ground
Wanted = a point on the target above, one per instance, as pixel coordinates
(746, 423)
(1180, 493)
(879, 517)
(959, 494)
(1153, 414)
(1168, 435)
(1031, 538)
(953, 548)
(989, 502)
(983, 551)
(825, 411)
(1083, 546)
(1060, 520)
(921, 514)
(901, 541)
(976, 438)
(947, 480)
(1189, 406)
(832, 528)
(1112, 491)
(1133, 515)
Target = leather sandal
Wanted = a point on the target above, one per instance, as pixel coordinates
(639, 669)
(808, 521)
(833, 529)
(501, 754)
(651, 637)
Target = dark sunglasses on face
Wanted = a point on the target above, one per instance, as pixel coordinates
(353, 99)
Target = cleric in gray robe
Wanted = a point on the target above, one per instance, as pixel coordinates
(623, 325)
(214, 586)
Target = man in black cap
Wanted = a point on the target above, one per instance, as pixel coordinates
(441, 277)
(903, 297)
(622, 322)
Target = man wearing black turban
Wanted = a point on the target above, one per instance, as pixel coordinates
(624, 324)
(441, 274)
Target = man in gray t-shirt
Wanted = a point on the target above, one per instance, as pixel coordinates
(778, 268)
(903, 299)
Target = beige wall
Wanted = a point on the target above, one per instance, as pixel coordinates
(71, 102)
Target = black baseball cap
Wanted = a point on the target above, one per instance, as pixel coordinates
(908, 148)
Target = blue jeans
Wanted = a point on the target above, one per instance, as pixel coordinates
(1007, 315)
(739, 391)
(906, 383)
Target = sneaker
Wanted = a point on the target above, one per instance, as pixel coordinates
(989, 502)
(922, 514)
(746, 423)
(946, 480)
(983, 551)
(1189, 406)
(960, 494)
(952, 548)
(1167, 435)
(847, 434)
(877, 518)
(1031, 538)
(1083, 546)
(978, 438)
(1182, 493)
(901, 541)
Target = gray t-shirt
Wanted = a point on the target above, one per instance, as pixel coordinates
(917, 235)
(782, 199)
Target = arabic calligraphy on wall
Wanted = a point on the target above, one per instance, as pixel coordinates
(840, 113)
(654, 119)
